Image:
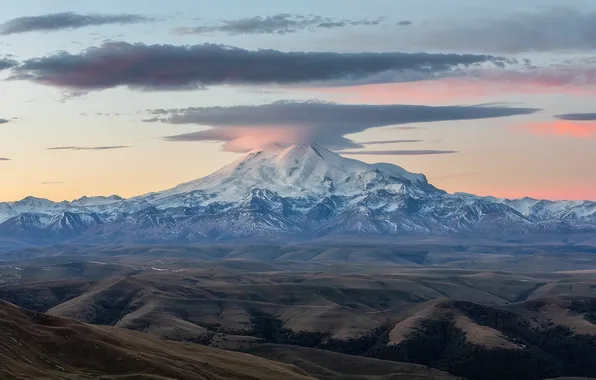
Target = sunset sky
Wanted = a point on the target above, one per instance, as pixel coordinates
(128, 97)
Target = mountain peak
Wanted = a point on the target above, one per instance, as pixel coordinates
(267, 147)
(298, 170)
(96, 201)
(31, 201)
(278, 148)
(302, 189)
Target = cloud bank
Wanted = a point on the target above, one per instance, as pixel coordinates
(88, 148)
(421, 152)
(4, 121)
(169, 67)
(378, 142)
(283, 23)
(406, 127)
(242, 128)
(541, 30)
(66, 20)
(577, 116)
(7, 63)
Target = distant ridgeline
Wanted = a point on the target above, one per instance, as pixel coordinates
(301, 192)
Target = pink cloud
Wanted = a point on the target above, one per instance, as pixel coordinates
(485, 84)
(246, 139)
(241, 139)
(575, 129)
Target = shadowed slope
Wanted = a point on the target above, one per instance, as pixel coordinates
(40, 346)
(333, 366)
(444, 309)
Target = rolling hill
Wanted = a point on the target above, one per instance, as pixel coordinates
(40, 346)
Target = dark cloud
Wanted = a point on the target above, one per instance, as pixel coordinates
(239, 127)
(559, 77)
(7, 63)
(67, 20)
(388, 142)
(542, 29)
(4, 159)
(71, 94)
(398, 152)
(577, 116)
(283, 23)
(169, 67)
(4, 121)
(89, 147)
(101, 114)
(406, 127)
(405, 23)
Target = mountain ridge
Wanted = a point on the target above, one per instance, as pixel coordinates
(302, 190)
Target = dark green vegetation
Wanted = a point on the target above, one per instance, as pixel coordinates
(334, 366)
(531, 316)
(439, 343)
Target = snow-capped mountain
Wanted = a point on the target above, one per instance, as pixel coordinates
(302, 191)
(297, 171)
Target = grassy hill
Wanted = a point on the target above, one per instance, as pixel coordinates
(435, 310)
(39, 346)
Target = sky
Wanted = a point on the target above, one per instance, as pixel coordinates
(130, 97)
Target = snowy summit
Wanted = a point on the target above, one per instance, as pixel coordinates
(297, 171)
(302, 191)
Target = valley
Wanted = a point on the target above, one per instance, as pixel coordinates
(523, 312)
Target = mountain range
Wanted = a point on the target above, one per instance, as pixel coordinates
(300, 191)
